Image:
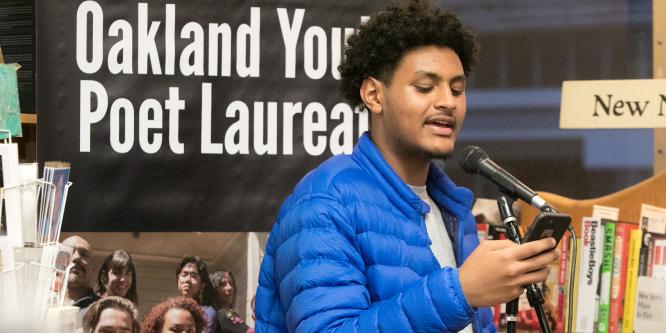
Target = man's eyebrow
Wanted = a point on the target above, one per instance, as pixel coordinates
(429, 75)
(436, 77)
(459, 78)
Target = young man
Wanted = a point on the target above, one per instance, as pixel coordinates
(193, 282)
(382, 240)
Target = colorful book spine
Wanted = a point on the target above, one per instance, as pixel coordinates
(659, 262)
(588, 280)
(577, 273)
(606, 276)
(650, 257)
(635, 240)
(482, 231)
(643, 261)
(618, 281)
(562, 285)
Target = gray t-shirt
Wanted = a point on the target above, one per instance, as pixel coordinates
(441, 245)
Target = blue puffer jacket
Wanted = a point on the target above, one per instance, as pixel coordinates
(350, 253)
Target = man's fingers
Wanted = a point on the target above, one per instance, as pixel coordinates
(534, 277)
(531, 249)
(539, 261)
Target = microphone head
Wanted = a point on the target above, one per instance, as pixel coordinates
(471, 158)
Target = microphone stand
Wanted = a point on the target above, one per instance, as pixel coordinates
(534, 295)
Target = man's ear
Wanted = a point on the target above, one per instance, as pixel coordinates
(372, 94)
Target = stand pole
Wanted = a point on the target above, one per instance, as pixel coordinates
(534, 295)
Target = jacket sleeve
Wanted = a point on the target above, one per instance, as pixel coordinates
(319, 283)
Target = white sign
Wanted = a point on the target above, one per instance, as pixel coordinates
(613, 104)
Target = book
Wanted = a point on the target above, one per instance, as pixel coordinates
(574, 308)
(560, 321)
(635, 237)
(650, 255)
(649, 307)
(606, 276)
(482, 230)
(605, 212)
(588, 279)
(652, 221)
(644, 257)
(658, 263)
(618, 281)
(652, 258)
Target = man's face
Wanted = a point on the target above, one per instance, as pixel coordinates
(189, 281)
(424, 105)
(114, 321)
(78, 275)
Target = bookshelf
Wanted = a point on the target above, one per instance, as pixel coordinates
(650, 191)
(629, 201)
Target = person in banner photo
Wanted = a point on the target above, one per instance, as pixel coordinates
(176, 314)
(382, 240)
(112, 314)
(194, 282)
(79, 293)
(117, 277)
(228, 320)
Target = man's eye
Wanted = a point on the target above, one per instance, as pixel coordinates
(423, 89)
(457, 92)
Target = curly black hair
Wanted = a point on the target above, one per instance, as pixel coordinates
(376, 49)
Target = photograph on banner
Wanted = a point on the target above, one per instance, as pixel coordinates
(231, 259)
(157, 256)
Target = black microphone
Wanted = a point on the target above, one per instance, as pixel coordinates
(475, 161)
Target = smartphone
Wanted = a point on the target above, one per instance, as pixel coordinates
(548, 225)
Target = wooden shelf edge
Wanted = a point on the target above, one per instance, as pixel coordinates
(28, 118)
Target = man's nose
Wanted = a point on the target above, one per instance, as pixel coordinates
(445, 100)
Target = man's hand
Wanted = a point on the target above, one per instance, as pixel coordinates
(497, 270)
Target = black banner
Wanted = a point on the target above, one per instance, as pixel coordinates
(190, 115)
